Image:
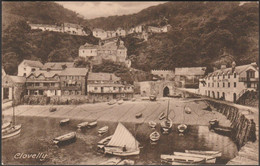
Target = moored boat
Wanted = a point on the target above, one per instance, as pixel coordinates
(120, 102)
(182, 128)
(210, 153)
(82, 125)
(122, 143)
(154, 136)
(138, 115)
(133, 99)
(11, 131)
(112, 161)
(214, 122)
(126, 162)
(53, 109)
(92, 124)
(112, 102)
(5, 125)
(182, 159)
(103, 142)
(166, 125)
(209, 159)
(65, 138)
(152, 124)
(162, 116)
(187, 110)
(64, 121)
(103, 130)
(152, 98)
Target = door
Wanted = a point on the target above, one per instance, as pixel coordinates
(6, 93)
(235, 97)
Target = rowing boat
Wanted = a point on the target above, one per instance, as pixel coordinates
(120, 102)
(182, 159)
(182, 128)
(126, 162)
(92, 124)
(112, 161)
(12, 131)
(82, 125)
(210, 153)
(64, 121)
(154, 136)
(103, 130)
(209, 159)
(138, 115)
(162, 116)
(152, 124)
(65, 138)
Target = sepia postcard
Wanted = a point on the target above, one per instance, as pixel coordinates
(130, 83)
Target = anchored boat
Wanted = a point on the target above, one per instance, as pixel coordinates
(126, 162)
(82, 125)
(64, 121)
(187, 110)
(152, 98)
(166, 125)
(65, 138)
(111, 102)
(101, 144)
(112, 161)
(152, 124)
(207, 153)
(154, 137)
(5, 125)
(53, 109)
(138, 115)
(182, 128)
(120, 102)
(182, 159)
(103, 130)
(209, 159)
(92, 124)
(162, 116)
(122, 143)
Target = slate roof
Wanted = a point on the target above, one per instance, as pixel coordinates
(190, 71)
(57, 65)
(102, 77)
(74, 72)
(45, 73)
(32, 63)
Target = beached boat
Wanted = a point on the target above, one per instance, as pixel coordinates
(65, 138)
(166, 125)
(101, 144)
(214, 122)
(209, 159)
(122, 143)
(138, 115)
(162, 116)
(226, 131)
(120, 102)
(112, 161)
(152, 124)
(154, 136)
(126, 162)
(112, 102)
(64, 121)
(133, 99)
(103, 130)
(181, 159)
(178, 163)
(5, 125)
(207, 153)
(53, 109)
(152, 98)
(82, 125)
(187, 110)
(182, 128)
(11, 131)
(92, 124)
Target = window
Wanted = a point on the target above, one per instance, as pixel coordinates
(218, 84)
(212, 84)
(228, 75)
(229, 84)
(218, 76)
(114, 88)
(223, 84)
(45, 84)
(33, 69)
(223, 76)
(24, 74)
(52, 84)
(24, 69)
(235, 75)
(96, 88)
(208, 84)
(37, 84)
(235, 84)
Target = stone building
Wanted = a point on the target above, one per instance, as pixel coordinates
(230, 83)
(99, 33)
(188, 77)
(43, 83)
(73, 81)
(107, 86)
(167, 75)
(73, 29)
(13, 88)
(57, 66)
(28, 66)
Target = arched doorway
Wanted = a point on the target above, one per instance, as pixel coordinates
(235, 97)
(166, 91)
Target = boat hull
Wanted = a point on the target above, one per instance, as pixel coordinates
(103, 130)
(6, 125)
(207, 153)
(209, 159)
(166, 127)
(120, 152)
(11, 132)
(65, 139)
(91, 125)
(181, 159)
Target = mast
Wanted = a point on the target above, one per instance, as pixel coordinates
(168, 109)
(13, 105)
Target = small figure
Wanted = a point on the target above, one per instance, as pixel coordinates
(124, 148)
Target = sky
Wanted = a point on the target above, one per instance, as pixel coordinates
(96, 9)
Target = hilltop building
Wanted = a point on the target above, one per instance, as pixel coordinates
(189, 76)
(99, 33)
(28, 66)
(107, 86)
(230, 83)
(163, 29)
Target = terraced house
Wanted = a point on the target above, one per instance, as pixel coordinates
(107, 86)
(230, 83)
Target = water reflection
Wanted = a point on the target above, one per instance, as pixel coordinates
(37, 134)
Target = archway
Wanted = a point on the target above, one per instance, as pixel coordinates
(166, 91)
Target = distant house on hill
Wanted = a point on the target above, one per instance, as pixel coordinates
(163, 29)
(120, 32)
(28, 66)
(99, 33)
(189, 76)
(74, 29)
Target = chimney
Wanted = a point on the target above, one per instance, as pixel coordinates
(223, 67)
(233, 66)
(253, 64)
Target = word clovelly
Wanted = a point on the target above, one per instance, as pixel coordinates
(40, 156)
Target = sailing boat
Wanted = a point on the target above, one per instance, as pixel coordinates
(182, 127)
(13, 129)
(166, 125)
(122, 143)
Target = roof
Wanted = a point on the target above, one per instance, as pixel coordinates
(106, 85)
(17, 79)
(3, 72)
(45, 73)
(238, 70)
(32, 63)
(109, 46)
(87, 45)
(57, 65)
(74, 72)
(98, 29)
(190, 71)
(102, 76)
(72, 25)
